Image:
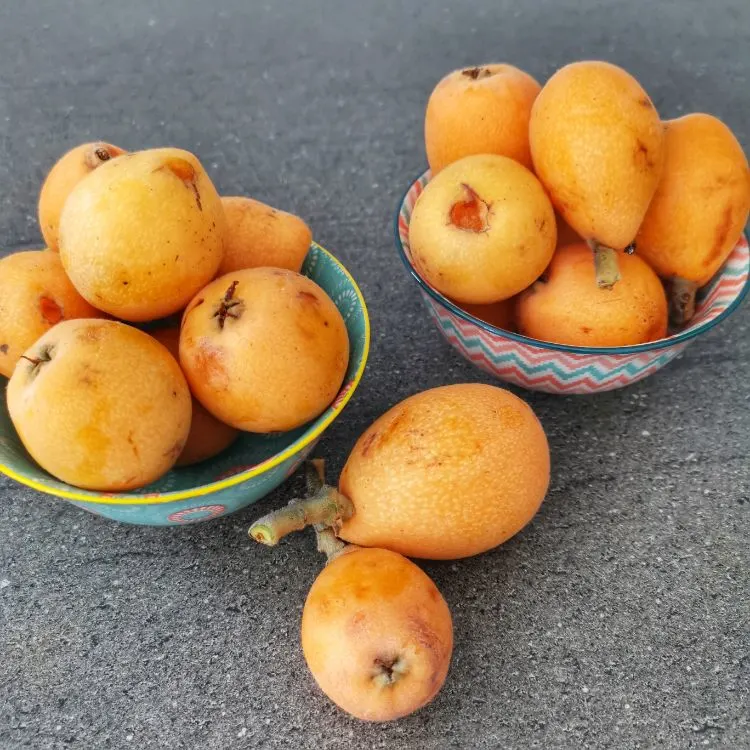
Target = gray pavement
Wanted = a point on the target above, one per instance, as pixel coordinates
(618, 619)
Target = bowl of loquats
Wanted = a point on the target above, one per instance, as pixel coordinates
(195, 369)
(531, 258)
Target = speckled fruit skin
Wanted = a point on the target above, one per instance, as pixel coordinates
(371, 610)
(259, 235)
(208, 436)
(35, 295)
(569, 308)
(447, 473)
(274, 358)
(482, 110)
(143, 233)
(701, 205)
(69, 170)
(597, 145)
(482, 230)
(106, 408)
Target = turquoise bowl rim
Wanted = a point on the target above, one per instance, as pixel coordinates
(652, 346)
(311, 435)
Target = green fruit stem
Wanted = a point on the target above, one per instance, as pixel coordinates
(326, 507)
(681, 300)
(606, 265)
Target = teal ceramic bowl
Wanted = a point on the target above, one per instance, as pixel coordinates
(254, 466)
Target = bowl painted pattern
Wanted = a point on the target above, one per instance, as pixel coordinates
(251, 468)
(557, 368)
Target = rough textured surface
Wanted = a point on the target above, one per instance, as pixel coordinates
(617, 619)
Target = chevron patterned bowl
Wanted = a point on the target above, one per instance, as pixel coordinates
(251, 468)
(557, 368)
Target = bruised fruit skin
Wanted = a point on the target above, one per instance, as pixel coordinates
(264, 349)
(500, 314)
(483, 110)
(376, 634)
(701, 205)
(208, 436)
(597, 145)
(482, 230)
(259, 235)
(100, 405)
(567, 307)
(450, 472)
(71, 168)
(35, 295)
(143, 233)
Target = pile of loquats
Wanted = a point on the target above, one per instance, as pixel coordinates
(571, 212)
(103, 401)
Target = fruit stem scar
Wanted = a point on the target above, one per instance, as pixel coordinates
(327, 507)
(474, 73)
(225, 309)
(97, 156)
(605, 264)
(388, 671)
(45, 355)
(681, 295)
(472, 214)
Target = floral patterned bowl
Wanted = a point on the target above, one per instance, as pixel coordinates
(254, 466)
(557, 368)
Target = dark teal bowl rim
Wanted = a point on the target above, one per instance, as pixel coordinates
(652, 346)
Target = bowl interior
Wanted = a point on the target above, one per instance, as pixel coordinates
(714, 302)
(251, 454)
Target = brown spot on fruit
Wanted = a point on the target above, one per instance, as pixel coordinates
(51, 311)
(644, 101)
(209, 366)
(308, 296)
(643, 158)
(585, 329)
(475, 73)
(368, 442)
(132, 444)
(541, 224)
(720, 237)
(3, 348)
(470, 215)
(183, 170)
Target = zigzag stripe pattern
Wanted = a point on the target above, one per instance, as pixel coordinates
(537, 367)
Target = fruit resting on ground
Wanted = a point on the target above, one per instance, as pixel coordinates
(143, 233)
(264, 349)
(567, 306)
(700, 207)
(71, 168)
(100, 405)
(35, 295)
(482, 230)
(597, 144)
(376, 634)
(482, 110)
(208, 436)
(447, 473)
(258, 235)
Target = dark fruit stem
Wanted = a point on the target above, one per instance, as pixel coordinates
(606, 265)
(681, 300)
